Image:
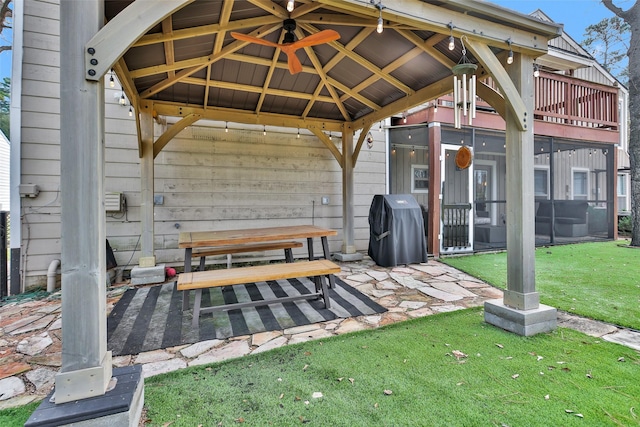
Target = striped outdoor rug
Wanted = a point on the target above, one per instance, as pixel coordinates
(151, 318)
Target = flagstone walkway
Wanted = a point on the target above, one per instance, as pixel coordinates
(30, 331)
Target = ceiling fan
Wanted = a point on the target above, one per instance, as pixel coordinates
(290, 45)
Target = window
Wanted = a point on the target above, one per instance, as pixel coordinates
(541, 183)
(419, 178)
(580, 184)
(622, 192)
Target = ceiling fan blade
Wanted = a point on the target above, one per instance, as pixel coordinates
(251, 39)
(292, 60)
(324, 36)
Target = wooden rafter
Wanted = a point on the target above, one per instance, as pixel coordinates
(213, 58)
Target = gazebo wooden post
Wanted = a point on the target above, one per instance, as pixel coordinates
(86, 363)
(520, 310)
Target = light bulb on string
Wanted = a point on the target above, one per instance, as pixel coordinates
(510, 57)
(291, 4)
(112, 81)
(130, 111)
(298, 136)
(452, 41)
(264, 130)
(226, 127)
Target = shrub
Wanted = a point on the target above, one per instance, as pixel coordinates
(624, 224)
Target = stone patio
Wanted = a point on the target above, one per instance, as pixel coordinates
(30, 331)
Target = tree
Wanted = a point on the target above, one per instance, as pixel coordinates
(5, 21)
(607, 41)
(631, 17)
(5, 87)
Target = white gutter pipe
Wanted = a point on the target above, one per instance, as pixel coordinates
(52, 275)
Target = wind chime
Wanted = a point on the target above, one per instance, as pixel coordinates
(464, 89)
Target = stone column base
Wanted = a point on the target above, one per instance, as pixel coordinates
(521, 322)
(356, 256)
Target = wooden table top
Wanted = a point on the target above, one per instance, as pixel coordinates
(194, 239)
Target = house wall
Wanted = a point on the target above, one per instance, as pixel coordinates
(4, 172)
(208, 178)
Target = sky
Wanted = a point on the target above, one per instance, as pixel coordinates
(576, 15)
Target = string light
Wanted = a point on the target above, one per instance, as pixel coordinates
(380, 127)
(510, 57)
(298, 136)
(379, 6)
(226, 127)
(264, 130)
(130, 111)
(452, 41)
(536, 70)
(123, 100)
(291, 5)
(112, 81)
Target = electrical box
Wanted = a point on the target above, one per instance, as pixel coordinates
(28, 190)
(113, 202)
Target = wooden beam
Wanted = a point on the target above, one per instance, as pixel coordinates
(363, 62)
(363, 135)
(115, 38)
(170, 133)
(172, 109)
(329, 144)
(431, 17)
(158, 87)
(511, 95)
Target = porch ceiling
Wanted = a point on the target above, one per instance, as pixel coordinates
(189, 62)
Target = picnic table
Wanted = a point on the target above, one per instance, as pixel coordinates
(245, 240)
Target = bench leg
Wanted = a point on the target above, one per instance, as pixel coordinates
(327, 255)
(325, 291)
(187, 269)
(310, 248)
(288, 255)
(196, 309)
(202, 259)
(185, 300)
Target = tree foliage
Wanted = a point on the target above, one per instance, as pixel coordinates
(6, 22)
(608, 42)
(631, 17)
(5, 87)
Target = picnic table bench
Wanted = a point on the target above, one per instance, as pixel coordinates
(246, 247)
(199, 280)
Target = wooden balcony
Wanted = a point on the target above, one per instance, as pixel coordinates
(566, 100)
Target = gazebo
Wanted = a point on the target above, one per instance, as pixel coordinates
(181, 58)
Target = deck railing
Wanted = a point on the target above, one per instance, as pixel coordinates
(562, 99)
(567, 100)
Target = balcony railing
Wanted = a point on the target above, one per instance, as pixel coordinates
(566, 100)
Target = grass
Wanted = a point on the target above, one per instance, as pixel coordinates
(596, 280)
(16, 417)
(560, 378)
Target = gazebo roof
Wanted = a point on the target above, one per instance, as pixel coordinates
(190, 64)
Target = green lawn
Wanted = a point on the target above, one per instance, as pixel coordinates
(596, 280)
(497, 379)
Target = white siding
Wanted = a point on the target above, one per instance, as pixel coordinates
(210, 179)
(4, 172)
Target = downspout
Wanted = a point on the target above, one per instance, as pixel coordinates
(15, 143)
(52, 275)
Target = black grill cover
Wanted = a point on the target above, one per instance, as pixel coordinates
(396, 230)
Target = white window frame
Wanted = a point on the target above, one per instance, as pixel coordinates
(413, 178)
(547, 170)
(573, 185)
(625, 195)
